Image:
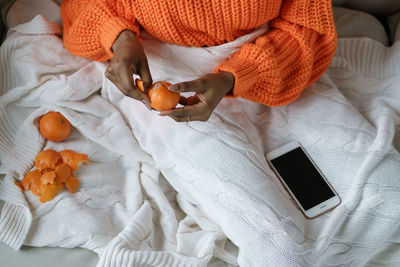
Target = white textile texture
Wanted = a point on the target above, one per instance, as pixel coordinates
(162, 193)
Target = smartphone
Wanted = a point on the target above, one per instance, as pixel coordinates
(303, 180)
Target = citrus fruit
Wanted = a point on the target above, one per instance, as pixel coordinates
(160, 97)
(54, 127)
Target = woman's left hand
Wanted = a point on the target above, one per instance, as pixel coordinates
(209, 89)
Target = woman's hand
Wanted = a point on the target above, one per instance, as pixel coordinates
(209, 89)
(129, 58)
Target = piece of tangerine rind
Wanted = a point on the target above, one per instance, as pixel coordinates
(73, 159)
(36, 185)
(26, 182)
(47, 159)
(62, 173)
(139, 84)
(49, 191)
(48, 177)
(72, 184)
(19, 185)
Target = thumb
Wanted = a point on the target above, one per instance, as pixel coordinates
(192, 86)
(145, 76)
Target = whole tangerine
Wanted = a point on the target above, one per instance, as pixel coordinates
(160, 97)
(54, 126)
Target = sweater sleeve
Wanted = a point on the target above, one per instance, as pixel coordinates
(295, 52)
(91, 27)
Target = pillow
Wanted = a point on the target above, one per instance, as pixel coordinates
(354, 23)
(394, 25)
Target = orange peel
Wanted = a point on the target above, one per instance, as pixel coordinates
(19, 185)
(62, 173)
(73, 159)
(26, 182)
(53, 173)
(50, 191)
(48, 177)
(72, 184)
(36, 185)
(139, 84)
(47, 159)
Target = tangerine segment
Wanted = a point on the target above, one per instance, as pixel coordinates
(62, 173)
(47, 159)
(54, 126)
(161, 98)
(36, 185)
(50, 191)
(26, 182)
(48, 177)
(72, 184)
(73, 159)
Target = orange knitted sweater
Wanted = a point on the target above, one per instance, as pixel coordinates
(273, 70)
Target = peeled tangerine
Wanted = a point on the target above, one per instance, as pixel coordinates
(53, 173)
(160, 97)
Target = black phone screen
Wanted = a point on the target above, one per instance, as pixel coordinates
(303, 179)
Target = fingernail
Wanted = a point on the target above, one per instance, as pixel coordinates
(173, 87)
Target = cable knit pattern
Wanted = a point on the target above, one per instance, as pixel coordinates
(274, 70)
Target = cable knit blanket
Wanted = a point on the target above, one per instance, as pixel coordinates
(161, 193)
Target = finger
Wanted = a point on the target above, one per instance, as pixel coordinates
(130, 88)
(203, 118)
(145, 76)
(192, 86)
(125, 77)
(116, 80)
(184, 111)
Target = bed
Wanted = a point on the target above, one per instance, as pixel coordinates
(146, 200)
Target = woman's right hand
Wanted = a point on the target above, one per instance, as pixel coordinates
(129, 58)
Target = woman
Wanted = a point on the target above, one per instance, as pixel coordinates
(273, 70)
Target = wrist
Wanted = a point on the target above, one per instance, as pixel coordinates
(229, 79)
(123, 38)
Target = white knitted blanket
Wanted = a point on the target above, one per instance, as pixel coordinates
(161, 193)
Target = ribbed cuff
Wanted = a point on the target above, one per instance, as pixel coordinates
(366, 56)
(111, 30)
(246, 74)
(127, 249)
(16, 216)
(17, 156)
